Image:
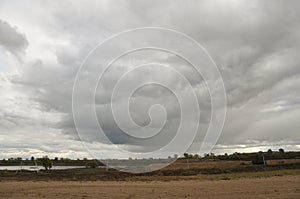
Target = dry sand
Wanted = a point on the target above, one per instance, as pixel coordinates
(273, 187)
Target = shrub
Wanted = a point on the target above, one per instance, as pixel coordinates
(258, 159)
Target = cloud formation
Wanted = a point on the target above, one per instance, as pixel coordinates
(11, 39)
(255, 45)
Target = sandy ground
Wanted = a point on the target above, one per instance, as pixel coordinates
(273, 187)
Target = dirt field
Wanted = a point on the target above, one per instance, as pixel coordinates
(182, 164)
(272, 187)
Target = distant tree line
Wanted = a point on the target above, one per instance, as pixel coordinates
(268, 155)
(48, 163)
(256, 158)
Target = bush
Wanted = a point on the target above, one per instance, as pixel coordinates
(46, 162)
(92, 164)
(259, 159)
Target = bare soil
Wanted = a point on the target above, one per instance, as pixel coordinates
(272, 187)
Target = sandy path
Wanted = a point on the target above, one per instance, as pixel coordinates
(274, 187)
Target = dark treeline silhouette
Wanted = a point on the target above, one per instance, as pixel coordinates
(47, 163)
(256, 158)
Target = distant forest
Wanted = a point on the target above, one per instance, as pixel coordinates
(268, 155)
(257, 157)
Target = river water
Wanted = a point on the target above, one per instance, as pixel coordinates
(40, 167)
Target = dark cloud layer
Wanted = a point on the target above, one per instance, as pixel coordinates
(255, 45)
(11, 39)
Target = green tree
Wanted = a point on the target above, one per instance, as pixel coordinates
(186, 155)
(46, 163)
(258, 159)
(281, 150)
(270, 151)
(92, 164)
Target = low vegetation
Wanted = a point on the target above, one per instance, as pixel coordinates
(198, 169)
(256, 158)
(237, 165)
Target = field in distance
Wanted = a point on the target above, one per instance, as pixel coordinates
(182, 179)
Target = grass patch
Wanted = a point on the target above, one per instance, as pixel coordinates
(259, 174)
(221, 171)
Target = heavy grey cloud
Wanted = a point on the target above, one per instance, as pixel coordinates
(11, 39)
(255, 45)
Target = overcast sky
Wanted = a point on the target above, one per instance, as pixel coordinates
(255, 45)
